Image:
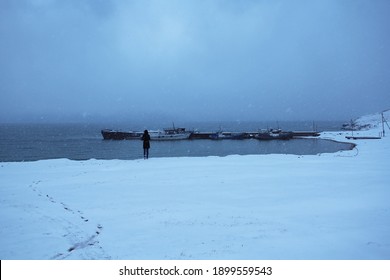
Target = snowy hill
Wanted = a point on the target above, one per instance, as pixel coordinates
(374, 121)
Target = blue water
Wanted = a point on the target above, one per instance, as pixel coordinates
(30, 142)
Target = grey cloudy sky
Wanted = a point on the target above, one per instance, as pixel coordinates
(193, 60)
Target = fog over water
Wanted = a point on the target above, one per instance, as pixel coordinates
(218, 60)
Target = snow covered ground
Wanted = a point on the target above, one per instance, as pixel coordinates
(326, 206)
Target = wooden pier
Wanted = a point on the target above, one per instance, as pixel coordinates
(305, 134)
(109, 134)
(250, 135)
(361, 137)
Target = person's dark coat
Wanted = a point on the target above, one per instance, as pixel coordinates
(146, 139)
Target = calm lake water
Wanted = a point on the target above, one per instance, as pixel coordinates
(30, 142)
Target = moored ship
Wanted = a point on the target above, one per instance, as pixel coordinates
(155, 135)
(170, 134)
(274, 135)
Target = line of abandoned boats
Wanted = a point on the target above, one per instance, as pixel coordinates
(183, 134)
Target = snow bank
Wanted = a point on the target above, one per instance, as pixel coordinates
(327, 206)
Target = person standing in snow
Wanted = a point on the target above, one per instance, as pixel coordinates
(146, 139)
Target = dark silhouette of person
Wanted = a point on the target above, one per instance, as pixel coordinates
(146, 139)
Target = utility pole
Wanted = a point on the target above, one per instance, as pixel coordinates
(383, 124)
(352, 126)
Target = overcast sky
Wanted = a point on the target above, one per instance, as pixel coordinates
(64, 60)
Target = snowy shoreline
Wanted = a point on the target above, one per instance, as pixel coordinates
(325, 206)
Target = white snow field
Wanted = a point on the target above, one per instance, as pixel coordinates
(326, 206)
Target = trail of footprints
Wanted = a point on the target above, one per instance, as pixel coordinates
(33, 186)
(90, 241)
